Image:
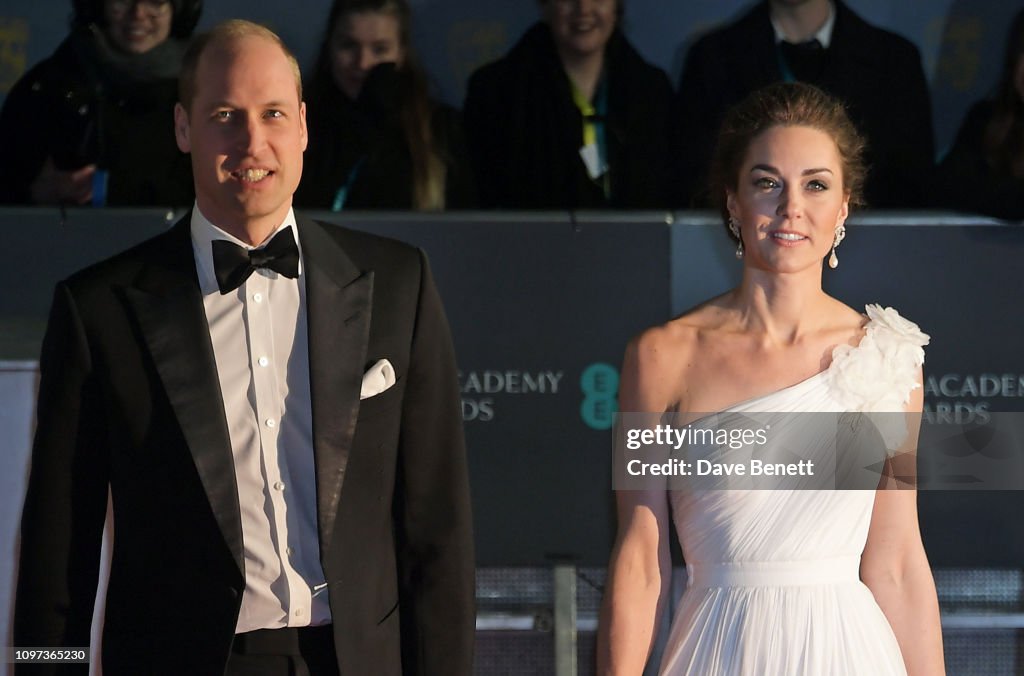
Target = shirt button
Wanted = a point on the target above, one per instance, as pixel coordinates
(279, 486)
(271, 422)
(258, 297)
(298, 613)
(289, 551)
(264, 361)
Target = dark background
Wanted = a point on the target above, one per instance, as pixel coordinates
(961, 41)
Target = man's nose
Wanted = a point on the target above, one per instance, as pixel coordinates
(252, 135)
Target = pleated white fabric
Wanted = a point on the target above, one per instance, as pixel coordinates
(774, 585)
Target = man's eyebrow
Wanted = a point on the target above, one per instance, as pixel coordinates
(216, 105)
(224, 103)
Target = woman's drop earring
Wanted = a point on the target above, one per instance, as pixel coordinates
(734, 228)
(833, 260)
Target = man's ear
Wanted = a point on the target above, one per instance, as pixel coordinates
(181, 128)
(304, 130)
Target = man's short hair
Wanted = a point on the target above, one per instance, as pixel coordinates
(221, 35)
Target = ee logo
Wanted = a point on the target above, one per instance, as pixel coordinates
(600, 385)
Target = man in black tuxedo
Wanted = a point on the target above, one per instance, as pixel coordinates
(272, 403)
(876, 73)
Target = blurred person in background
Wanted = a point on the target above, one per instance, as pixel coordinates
(984, 171)
(381, 141)
(877, 75)
(572, 117)
(93, 123)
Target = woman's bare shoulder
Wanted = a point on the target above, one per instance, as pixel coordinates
(658, 359)
(675, 341)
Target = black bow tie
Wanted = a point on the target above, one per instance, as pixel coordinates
(233, 264)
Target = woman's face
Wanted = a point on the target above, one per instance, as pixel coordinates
(359, 42)
(789, 198)
(580, 27)
(137, 26)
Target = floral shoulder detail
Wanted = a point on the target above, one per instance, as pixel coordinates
(878, 375)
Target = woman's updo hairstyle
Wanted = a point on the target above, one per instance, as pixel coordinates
(785, 104)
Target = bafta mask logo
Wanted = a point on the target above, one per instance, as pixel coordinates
(13, 42)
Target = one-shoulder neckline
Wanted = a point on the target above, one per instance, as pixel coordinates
(802, 383)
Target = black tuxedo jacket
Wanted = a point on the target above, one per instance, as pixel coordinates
(876, 73)
(130, 399)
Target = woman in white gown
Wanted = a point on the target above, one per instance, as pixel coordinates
(787, 582)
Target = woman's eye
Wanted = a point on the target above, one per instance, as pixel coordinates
(817, 185)
(766, 183)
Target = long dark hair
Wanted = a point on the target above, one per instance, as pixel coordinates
(416, 112)
(1004, 136)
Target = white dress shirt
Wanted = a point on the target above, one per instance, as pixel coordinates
(260, 343)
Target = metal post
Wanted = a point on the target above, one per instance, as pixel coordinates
(565, 620)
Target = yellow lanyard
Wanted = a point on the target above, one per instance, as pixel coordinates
(593, 127)
(588, 112)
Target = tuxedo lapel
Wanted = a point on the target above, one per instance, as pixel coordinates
(168, 305)
(338, 306)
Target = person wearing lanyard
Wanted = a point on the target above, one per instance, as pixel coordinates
(383, 143)
(572, 117)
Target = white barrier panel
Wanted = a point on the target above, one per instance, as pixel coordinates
(18, 386)
(17, 399)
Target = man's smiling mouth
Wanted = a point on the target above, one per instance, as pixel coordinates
(251, 175)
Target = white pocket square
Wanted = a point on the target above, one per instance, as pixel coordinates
(378, 378)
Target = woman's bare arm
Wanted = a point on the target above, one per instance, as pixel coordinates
(640, 568)
(894, 565)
